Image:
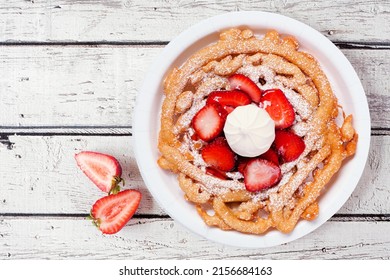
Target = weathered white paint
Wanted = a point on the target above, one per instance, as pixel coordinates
(79, 87)
(39, 175)
(139, 20)
(71, 86)
(88, 86)
(25, 238)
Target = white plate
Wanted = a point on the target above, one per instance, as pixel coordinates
(163, 185)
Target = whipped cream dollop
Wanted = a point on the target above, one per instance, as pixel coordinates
(249, 130)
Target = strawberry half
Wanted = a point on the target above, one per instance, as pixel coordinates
(209, 121)
(279, 108)
(229, 98)
(103, 170)
(271, 155)
(111, 213)
(288, 145)
(243, 83)
(216, 173)
(260, 174)
(228, 109)
(242, 162)
(218, 155)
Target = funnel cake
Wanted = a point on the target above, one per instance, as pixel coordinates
(222, 197)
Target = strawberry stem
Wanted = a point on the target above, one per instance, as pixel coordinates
(95, 222)
(114, 190)
(115, 185)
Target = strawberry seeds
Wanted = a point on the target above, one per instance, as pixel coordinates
(111, 212)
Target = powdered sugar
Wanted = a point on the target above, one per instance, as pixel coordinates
(301, 106)
(265, 104)
(207, 82)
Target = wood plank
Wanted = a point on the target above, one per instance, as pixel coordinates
(89, 86)
(164, 239)
(137, 20)
(45, 178)
(73, 86)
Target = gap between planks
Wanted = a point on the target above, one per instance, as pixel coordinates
(82, 216)
(73, 216)
(66, 131)
(6, 131)
(339, 44)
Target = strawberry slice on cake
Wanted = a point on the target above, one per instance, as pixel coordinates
(278, 107)
(245, 84)
(209, 121)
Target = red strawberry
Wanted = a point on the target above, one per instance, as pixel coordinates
(241, 82)
(242, 162)
(209, 121)
(279, 108)
(288, 145)
(111, 213)
(103, 170)
(195, 137)
(228, 109)
(261, 174)
(218, 154)
(232, 98)
(216, 173)
(271, 155)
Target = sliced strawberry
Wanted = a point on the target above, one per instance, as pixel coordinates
(271, 155)
(232, 98)
(111, 213)
(242, 162)
(261, 174)
(228, 109)
(195, 137)
(218, 154)
(243, 83)
(103, 170)
(288, 145)
(216, 173)
(279, 108)
(209, 121)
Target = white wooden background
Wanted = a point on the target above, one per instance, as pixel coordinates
(70, 71)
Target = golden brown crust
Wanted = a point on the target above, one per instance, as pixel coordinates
(327, 144)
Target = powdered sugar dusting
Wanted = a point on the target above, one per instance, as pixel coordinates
(206, 82)
(265, 104)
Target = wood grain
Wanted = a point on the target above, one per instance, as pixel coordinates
(142, 239)
(70, 72)
(72, 86)
(45, 178)
(98, 86)
(136, 20)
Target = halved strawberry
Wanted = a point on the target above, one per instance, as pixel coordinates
(242, 162)
(216, 173)
(111, 213)
(218, 154)
(231, 98)
(261, 174)
(103, 170)
(271, 155)
(195, 137)
(243, 83)
(279, 108)
(209, 121)
(288, 145)
(228, 109)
